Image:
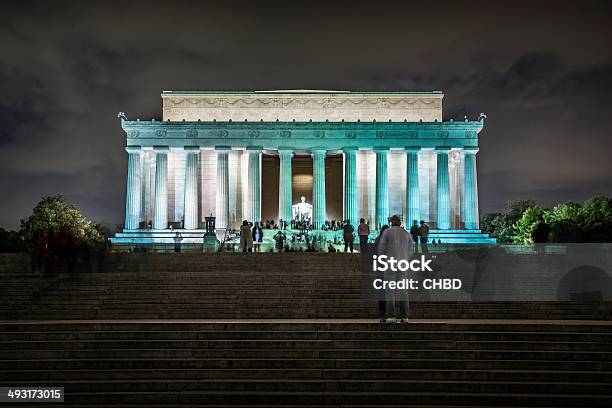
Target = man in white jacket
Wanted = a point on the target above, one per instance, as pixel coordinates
(396, 242)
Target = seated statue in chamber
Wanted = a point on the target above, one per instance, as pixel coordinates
(302, 211)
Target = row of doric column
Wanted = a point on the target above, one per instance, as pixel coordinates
(351, 194)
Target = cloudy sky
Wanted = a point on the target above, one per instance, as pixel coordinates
(542, 71)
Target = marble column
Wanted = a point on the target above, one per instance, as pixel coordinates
(470, 193)
(351, 198)
(443, 216)
(412, 187)
(134, 188)
(382, 183)
(284, 185)
(160, 209)
(254, 184)
(190, 213)
(222, 198)
(319, 214)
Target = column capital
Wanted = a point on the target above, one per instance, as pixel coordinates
(470, 150)
(350, 149)
(133, 149)
(413, 149)
(191, 149)
(223, 149)
(254, 149)
(285, 152)
(380, 149)
(318, 150)
(161, 149)
(442, 149)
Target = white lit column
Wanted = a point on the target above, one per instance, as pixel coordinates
(222, 200)
(160, 211)
(319, 213)
(351, 203)
(412, 189)
(134, 188)
(191, 187)
(284, 185)
(443, 218)
(470, 193)
(254, 184)
(382, 184)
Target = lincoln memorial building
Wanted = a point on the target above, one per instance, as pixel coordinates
(254, 155)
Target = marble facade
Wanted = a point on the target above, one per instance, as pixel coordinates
(204, 158)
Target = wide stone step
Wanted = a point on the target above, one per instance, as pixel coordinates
(309, 373)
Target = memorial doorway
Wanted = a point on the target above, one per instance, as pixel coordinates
(301, 183)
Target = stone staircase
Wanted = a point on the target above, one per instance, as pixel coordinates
(56, 330)
(233, 286)
(313, 363)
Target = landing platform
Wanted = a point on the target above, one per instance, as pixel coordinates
(193, 239)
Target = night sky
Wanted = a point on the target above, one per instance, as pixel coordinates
(541, 71)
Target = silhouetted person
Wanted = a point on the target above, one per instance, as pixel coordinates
(414, 233)
(257, 237)
(246, 239)
(424, 236)
(177, 241)
(363, 231)
(396, 243)
(348, 236)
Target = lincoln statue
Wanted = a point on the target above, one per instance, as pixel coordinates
(321, 155)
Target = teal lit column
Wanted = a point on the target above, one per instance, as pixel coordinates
(222, 197)
(284, 185)
(351, 199)
(412, 189)
(382, 184)
(190, 212)
(160, 211)
(254, 184)
(134, 188)
(470, 212)
(319, 214)
(443, 216)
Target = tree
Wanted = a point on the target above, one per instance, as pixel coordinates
(525, 227)
(596, 220)
(11, 241)
(59, 227)
(501, 225)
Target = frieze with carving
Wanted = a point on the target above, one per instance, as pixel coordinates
(253, 133)
(161, 133)
(319, 134)
(303, 102)
(285, 134)
(132, 133)
(192, 133)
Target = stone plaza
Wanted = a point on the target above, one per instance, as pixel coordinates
(254, 155)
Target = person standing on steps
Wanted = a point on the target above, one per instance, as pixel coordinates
(396, 242)
(257, 237)
(363, 230)
(424, 236)
(349, 238)
(246, 239)
(414, 232)
(177, 241)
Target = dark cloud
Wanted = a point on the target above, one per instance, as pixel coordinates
(542, 71)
